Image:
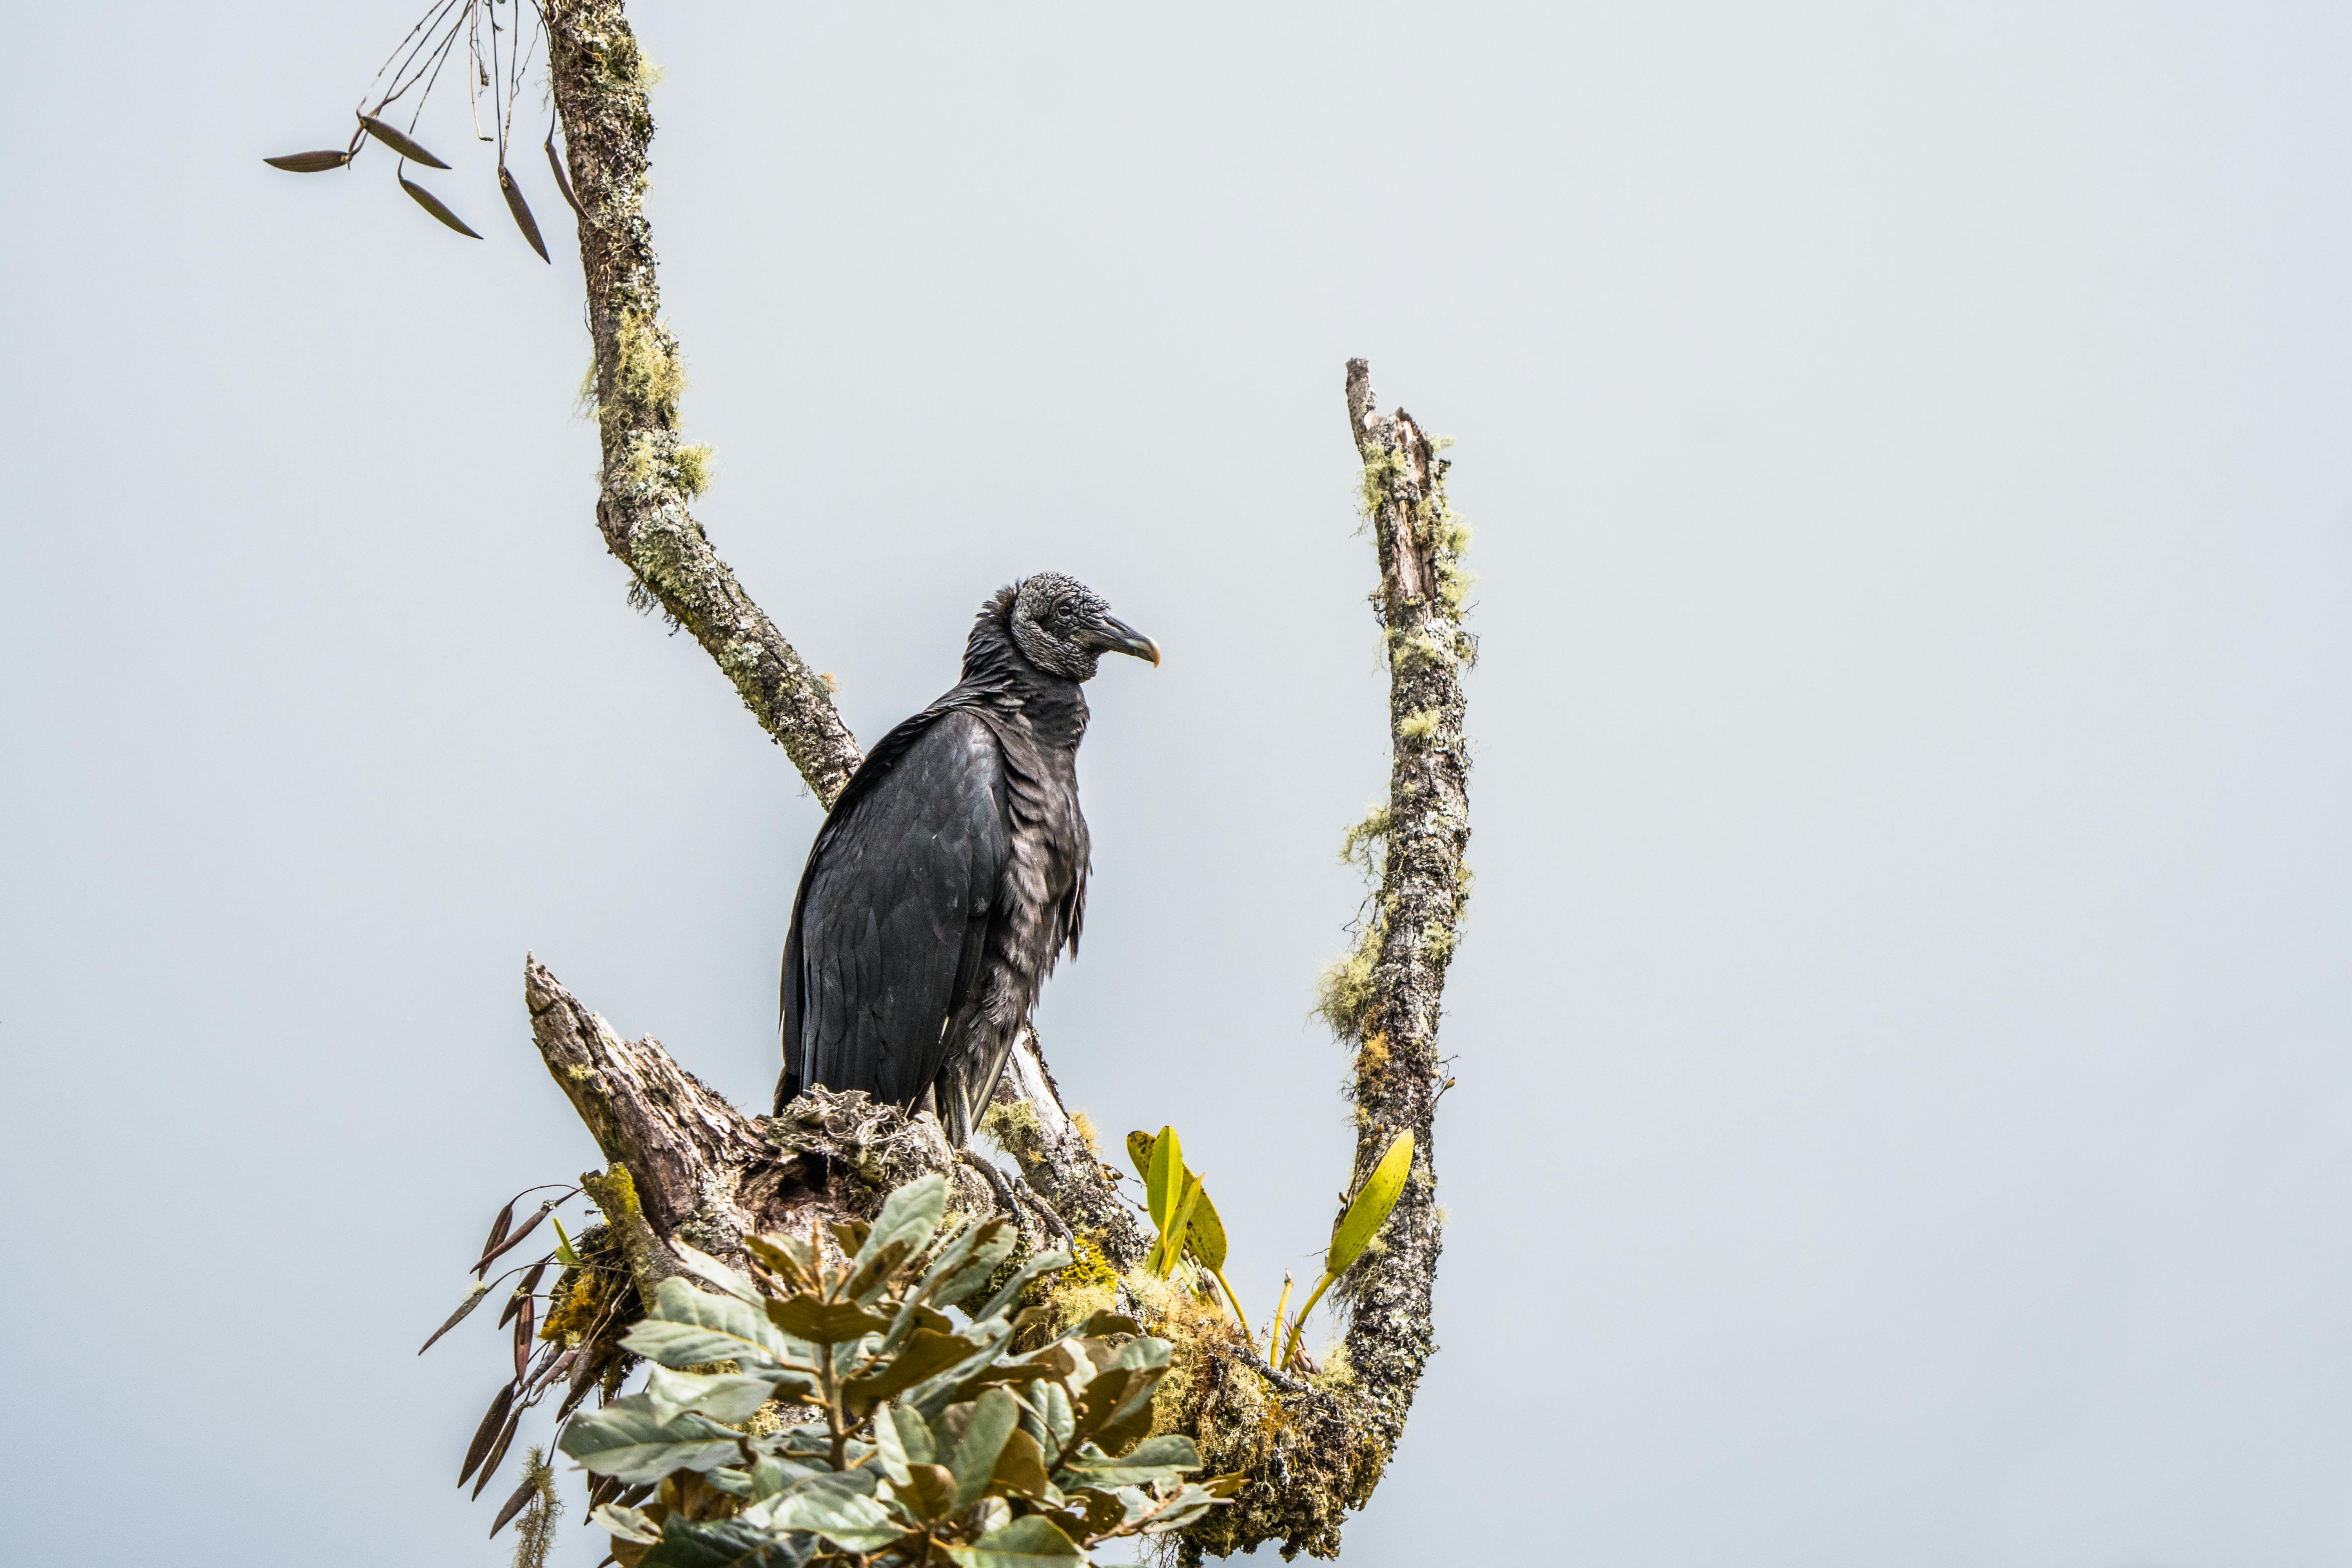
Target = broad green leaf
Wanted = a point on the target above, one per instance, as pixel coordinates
(915, 1436)
(1164, 1180)
(993, 1418)
(1371, 1210)
(731, 1397)
(623, 1439)
(1171, 1240)
(723, 1544)
(733, 1281)
(825, 1322)
(689, 1327)
(909, 1214)
(841, 1516)
(1053, 1402)
(929, 1491)
(1030, 1542)
(890, 1448)
(927, 1354)
(1020, 1469)
(1138, 1152)
(993, 1240)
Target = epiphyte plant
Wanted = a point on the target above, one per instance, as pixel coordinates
(1189, 1226)
(502, 37)
(919, 1440)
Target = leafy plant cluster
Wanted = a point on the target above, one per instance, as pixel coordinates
(806, 1411)
(1187, 1227)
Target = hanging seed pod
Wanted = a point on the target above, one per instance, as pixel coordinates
(522, 210)
(308, 163)
(400, 143)
(432, 204)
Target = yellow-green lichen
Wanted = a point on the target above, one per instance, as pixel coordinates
(1419, 725)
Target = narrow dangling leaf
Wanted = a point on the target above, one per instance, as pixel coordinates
(514, 1504)
(524, 220)
(523, 1325)
(486, 1432)
(432, 204)
(474, 1294)
(310, 162)
(1371, 1210)
(562, 181)
(399, 143)
(523, 1290)
(499, 1228)
(497, 1453)
(514, 1239)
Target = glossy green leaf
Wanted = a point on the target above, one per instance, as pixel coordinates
(1029, 1541)
(929, 1491)
(1371, 1210)
(909, 1214)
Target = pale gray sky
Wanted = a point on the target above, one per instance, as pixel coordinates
(1905, 1115)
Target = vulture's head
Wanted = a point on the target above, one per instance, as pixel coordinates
(1063, 627)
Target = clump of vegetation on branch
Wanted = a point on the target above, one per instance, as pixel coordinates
(911, 1438)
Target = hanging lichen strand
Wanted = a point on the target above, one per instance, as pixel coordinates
(649, 474)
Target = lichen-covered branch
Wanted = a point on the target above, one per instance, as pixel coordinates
(1409, 937)
(649, 474)
(1314, 1455)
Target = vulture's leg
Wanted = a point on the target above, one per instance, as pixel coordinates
(1010, 1188)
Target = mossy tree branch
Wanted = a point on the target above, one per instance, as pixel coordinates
(648, 474)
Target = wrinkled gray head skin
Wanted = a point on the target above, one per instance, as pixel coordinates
(1063, 627)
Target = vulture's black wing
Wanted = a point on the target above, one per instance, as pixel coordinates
(892, 916)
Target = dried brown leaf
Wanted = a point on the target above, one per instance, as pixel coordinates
(563, 180)
(487, 1432)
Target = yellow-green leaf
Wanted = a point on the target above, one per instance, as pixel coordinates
(1206, 1234)
(1163, 1179)
(1139, 1149)
(1371, 1210)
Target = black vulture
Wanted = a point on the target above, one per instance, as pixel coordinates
(951, 871)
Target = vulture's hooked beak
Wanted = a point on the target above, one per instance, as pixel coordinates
(1118, 637)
